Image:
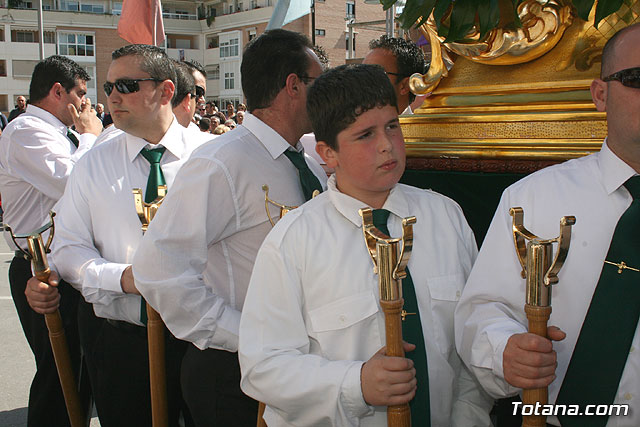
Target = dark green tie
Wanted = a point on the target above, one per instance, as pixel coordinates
(308, 180)
(156, 178)
(412, 333)
(73, 138)
(603, 345)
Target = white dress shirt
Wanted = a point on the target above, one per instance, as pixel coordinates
(195, 262)
(97, 228)
(492, 306)
(36, 158)
(312, 315)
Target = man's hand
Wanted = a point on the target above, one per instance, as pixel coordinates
(387, 381)
(529, 360)
(85, 120)
(43, 298)
(127, 283)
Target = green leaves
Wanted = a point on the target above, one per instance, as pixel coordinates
(454, 18)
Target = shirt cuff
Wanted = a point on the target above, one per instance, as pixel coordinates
(227, 330)
(351, 393)
(110, 276)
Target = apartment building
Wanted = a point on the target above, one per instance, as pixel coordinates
(212, 32)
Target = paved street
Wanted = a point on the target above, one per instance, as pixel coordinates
(17, 364)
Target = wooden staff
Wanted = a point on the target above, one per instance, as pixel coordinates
(155, 326)
(390, 257)
(541, 271)
(37, 251)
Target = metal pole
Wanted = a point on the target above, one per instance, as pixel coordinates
(390, 21)
(40, 30)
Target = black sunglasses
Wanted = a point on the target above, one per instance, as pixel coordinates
(200, 91)
(629, 77)
(126, 86)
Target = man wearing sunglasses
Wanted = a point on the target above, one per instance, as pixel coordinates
(37, 154)
(400, 59)
(195, 261)
(592, 353)
(98, 231)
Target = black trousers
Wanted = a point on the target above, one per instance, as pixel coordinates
(117, 359)
(46, 402)
(211, 388)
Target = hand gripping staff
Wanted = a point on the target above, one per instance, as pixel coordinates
(390, 257)
(155, 326)
(540, 269)
(37, 253)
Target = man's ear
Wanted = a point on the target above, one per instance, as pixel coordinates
(56, 91)
(327, 154)
(599, 93)
(185, 104)
(292, 85)
(404, 86)
(168, 89)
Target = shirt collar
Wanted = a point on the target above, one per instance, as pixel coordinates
(614, 170)
(348, 206)
(272, 140)
(47, 117)
(172, 140)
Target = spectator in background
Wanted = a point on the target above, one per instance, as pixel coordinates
(220, 129)
(3, 121)
(242, 107)
(21, 107)
(204, 124)
(230, 124)
(210, 108)
(231, 114)
(100, 112)
(214, 123)
(240, 117)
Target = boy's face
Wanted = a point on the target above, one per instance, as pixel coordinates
(370, 158)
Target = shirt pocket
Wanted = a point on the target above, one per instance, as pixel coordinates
(347, 328)
(445, 293)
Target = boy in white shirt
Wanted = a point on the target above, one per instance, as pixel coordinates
(312, 331)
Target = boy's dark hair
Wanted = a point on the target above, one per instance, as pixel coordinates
(195, 66)
(266, 63)
(154, 61)
(409, 57)
(340, 95)
(185, 83)
(52, 70)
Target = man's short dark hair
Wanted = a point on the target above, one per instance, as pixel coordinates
(205, 123)
(609, 50)
(340, 95)
(185, 83)
(195, 66)
(409, 57)
(52, 70)
(154, 61)
(267, 62)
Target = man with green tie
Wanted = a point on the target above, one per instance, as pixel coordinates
(98, 231)
(590, 357)
(38, 151)
(196, 259)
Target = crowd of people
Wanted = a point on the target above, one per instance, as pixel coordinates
(289, 315)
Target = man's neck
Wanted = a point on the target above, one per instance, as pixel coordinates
(627, 152)
(281, 122)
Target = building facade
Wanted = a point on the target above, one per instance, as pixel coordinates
(212, 32)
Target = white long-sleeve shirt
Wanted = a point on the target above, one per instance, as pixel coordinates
(312, 315)
(97, 227)
(492, 305)
(195, 261)
(36, 159)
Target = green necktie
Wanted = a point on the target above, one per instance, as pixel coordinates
(308, 180)
(73, 138)
(156, 178)
(412, 333)
(603, 345)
